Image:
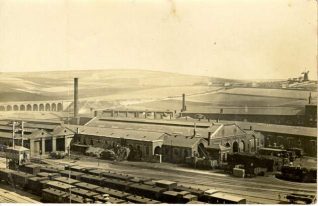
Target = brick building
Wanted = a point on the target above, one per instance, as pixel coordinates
(41, 137)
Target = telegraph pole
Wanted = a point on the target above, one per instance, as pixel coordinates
(69, 172)
(22, 133)
(13, 133)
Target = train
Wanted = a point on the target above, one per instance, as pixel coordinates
(298, 174)
(89, 185)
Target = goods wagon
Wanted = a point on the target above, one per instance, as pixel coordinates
(140, 180)
(101, 199)
(146, 190)
(51, 195)
(92, 179)
(35, 184)
(97, 172)
(207, 195)
(84, 193)
(199, 193)
(170, 196)
(141, 200)
(20, 179)
(223, 198)
(196, 202)
(118, 176)
(188, 198)
(49, 170)
(66, 180)
(75, 168)
(72, 174)
(30, 168)
(50, 176)
(5, 175)
(58, 186)
(113, 193)
(77, 199)
(116, 184)
(169, 185)
(86, 186)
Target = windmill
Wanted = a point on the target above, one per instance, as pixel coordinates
(305, 73)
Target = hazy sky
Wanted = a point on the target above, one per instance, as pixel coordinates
(233, 39)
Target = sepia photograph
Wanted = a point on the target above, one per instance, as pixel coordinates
(158, 101)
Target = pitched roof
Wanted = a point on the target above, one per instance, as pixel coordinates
(118, 133)
(181, 141)
(280, 129)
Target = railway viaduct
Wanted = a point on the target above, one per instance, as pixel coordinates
(35, 106)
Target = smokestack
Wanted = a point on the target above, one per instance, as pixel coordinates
(309, 98)
(184, 107)
(75, 97)
(209, 138)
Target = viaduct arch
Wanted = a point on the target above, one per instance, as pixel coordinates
(46, 106)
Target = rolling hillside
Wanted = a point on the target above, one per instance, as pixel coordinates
(142, 89)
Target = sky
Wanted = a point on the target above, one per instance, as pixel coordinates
(241, 39)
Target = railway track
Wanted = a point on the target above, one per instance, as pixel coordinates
(249, 193)
(255, 190)
(7, 196)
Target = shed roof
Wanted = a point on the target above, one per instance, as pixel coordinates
(281, 111)
(119, 133)
(280, 129)
(181, 140)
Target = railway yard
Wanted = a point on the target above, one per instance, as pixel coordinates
(134, 178)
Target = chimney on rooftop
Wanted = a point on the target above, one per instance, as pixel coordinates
(75, 98)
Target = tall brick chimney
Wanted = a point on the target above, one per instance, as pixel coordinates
(184, 107)
(75, 97)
